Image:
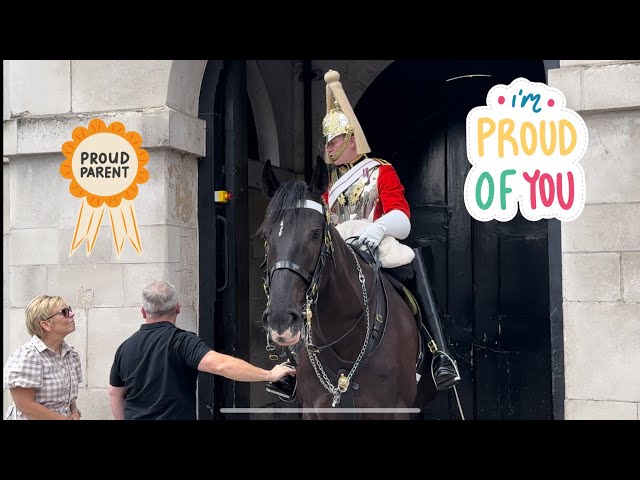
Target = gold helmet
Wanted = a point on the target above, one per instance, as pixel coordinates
(340, 118)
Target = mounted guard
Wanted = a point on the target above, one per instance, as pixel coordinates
(369, 209)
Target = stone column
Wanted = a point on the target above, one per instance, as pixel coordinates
(104, 289)
(601, 249)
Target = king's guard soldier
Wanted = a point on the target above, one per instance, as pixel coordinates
(365, 188)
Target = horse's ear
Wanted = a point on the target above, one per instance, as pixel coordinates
(270, 182)
(320, 178)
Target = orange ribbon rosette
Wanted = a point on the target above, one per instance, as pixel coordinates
(105, 165)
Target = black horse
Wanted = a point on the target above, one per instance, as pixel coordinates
(360, 338)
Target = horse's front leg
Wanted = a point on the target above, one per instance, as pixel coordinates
(309, 415)
(320, 408)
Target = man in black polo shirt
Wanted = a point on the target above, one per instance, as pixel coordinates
(154, 373)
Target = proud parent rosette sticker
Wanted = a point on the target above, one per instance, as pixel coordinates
(524, 147)
(105, 165)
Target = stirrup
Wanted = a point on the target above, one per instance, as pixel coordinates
(285, 388)
(448, 379)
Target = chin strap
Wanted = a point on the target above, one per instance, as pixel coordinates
(396, 224)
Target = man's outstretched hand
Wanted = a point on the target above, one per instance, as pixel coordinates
(281, 371)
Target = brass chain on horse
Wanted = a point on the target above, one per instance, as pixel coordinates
(343, 381)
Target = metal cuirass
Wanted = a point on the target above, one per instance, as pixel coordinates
(359, 200)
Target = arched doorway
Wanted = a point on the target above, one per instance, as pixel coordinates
(491, 280)
(240, 132)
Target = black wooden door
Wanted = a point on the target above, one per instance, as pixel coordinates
(490, 279)
(233, 314)
(511, 339)
(223, 232)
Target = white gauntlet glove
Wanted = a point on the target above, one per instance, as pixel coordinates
(395, 223)
(372, 235)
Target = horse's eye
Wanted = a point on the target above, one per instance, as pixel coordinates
(315, 233)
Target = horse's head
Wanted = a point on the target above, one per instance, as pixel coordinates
(295, 232)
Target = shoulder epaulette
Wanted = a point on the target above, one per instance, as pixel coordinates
(381, 161)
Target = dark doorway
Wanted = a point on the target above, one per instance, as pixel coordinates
(223, 231)
(490, 279)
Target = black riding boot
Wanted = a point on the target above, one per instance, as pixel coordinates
(443, 368)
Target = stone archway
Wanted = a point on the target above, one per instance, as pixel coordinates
(263, 115)
(183, 88)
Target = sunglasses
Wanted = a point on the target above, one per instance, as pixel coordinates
(65, 311)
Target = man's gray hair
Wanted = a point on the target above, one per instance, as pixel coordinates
(160, 299)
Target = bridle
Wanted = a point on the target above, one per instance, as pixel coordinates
(311, 298)
(326, 250)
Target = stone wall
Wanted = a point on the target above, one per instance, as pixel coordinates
(601, 249)
(44, 102)
(5, 271)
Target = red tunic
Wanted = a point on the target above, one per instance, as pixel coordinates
(390, 193)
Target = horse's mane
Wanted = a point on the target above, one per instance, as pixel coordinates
(283, 205)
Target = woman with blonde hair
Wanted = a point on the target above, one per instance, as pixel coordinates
(43, 374)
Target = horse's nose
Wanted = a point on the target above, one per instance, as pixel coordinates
(293, 316)
(280, 321)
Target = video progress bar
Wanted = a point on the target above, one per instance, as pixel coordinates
(319, 410)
